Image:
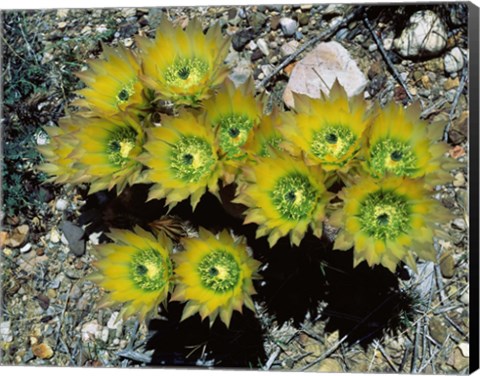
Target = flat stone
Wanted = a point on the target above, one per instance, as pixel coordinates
(289, 48)
(74, 236)
(318, 70)
(425, 35)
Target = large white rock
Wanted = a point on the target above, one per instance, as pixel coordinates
(318, 70)
(425, 35)
(454, 60)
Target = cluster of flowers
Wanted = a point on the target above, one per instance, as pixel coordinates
(369, 172)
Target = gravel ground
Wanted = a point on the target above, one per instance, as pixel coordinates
(411, 323)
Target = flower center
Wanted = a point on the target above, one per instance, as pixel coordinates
(149, 271)
(219, 271)
(233, 131)
(294, 197)
(186, 72)
(191, 159)
(393, 156)
(384, 215)
(333, 141)
(120, 145)
(126, 92)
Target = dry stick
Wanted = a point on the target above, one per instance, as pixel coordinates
(326, 354)
(387, 357)
(455, 101)
(135, 356)
(386, 58)
(413, 368)
(322, 36)
(272, 358)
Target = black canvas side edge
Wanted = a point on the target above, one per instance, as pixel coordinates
(473, 85)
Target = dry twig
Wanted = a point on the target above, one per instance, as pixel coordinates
(386, 58)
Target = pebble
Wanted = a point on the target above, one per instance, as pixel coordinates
(388, 43)
(91, 330)
(263, 46)
(275, 22)
(425, 35)
(447, 265)
(465, 298)
(298, 35)
(459, 180)
(74, 236)
(5, 331)
(18, 237)
(438, 330)
(289, 26)
(26, 248)
(128, 42)
(459, 223)
(61, 204)
(251, 45)
(289, 48)
(62, 25)
(373, 47)
(453, 60)
(465, 349)
(42, 351)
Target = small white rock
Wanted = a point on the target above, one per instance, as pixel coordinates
(263, 46)
(289, 26)
(465, 349)
(61, 204)
(251, 45)
(91, 330)
(114, 322)
(42, 138)
(454, 60)
(54, 235)
(104, 334)
(465, 298)
(94, 238)
(459, 223)
(388, 43)
(425, 35)
(5, 331)
(26, 248)
(373, 47)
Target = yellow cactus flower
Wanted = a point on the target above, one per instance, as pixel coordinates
(182, 160)
(106, 151)
(284, 196)
(59, 164)
(233, 113)
(385, 220)
(401, 144)
(214, 276)
(329, 131)
(113, 83)
(267, 136)
(136, 270)
(184, 65)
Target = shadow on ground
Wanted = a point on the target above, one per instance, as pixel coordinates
(362, 302)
